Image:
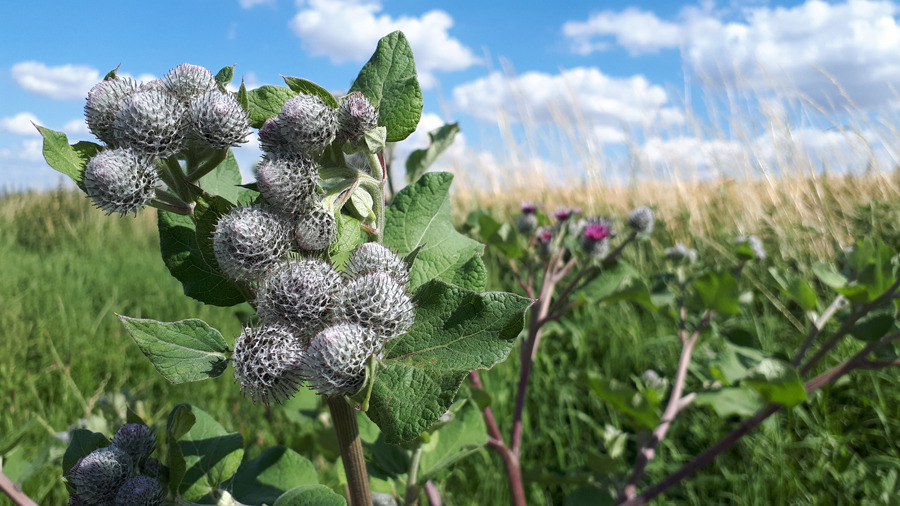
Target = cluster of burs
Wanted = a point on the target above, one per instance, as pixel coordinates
(121, 474)
(317, 326)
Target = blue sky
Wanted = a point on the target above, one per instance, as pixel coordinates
(562, 84)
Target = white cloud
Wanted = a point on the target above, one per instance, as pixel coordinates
(249, 4)
(607, 105)
(65, 82)
(826, 52)
(76, 128)
(349, 30)
(636, 30)
(21, 124)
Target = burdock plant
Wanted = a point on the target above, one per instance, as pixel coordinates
(377, 309)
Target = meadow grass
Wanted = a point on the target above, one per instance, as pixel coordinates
(64, 358)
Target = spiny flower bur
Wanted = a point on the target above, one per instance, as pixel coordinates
(187, 81)
(595, 239)
(103, 101)
(755, 245)
(219, 120)
(527, 222)
(137, 440)
(98, 476)
(120, 181)
(307, 124)
(288, 183)
(315, 229)
(335, 362)
(140, 491)
(374, 257)
(356, 116)
(248, 241)
(266, 363)
(377, 301)
(681, 254)
(299, 294)
(151, 122)
(641, 220)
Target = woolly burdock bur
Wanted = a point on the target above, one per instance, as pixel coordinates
(103, 101)
(378, 302)
(307, 124)
(266, 363)
(187, 81)
(288, 183)
(98, 475)
(120, 181)
(151, 122)
(248, 241)
(299, 294)
(315, 229)
(135, 439)
(374, 257)
(219, 120)
(335, 362)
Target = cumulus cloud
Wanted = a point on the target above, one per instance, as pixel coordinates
(249, 4)
(607, 105)
(348, 31)
(21, 124)
(64, 82)
(830, 53)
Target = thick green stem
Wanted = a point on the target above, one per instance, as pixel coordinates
(344, 418)
(218, 156)
(411, 497)
(173, 175)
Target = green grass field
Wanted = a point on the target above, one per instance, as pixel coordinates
(67, 270)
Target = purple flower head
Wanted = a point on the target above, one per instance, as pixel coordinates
(529, 207)
(564, 213)
(545, 235)
(597, 231)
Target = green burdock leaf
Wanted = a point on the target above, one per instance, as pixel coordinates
(876, 323)
(730, 401)
(225, 76)
(777, 382)
(456, 331)
(182, 351)
(828, 276)
(625, 400)
(471, 275)
(82, 442)
(420, 215)
(264, 479)
(70, 160)
(419, 160)
(211, 455)
(718, 291)
(461, 437)
(243, 98)
(266, 101)
(389, 81)
(180, 421)
(225, 181)
(349, 235)
(795, 288)
(310, 88)
(181, 251)
(310, 495)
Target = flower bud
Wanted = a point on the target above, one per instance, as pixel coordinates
(641, 220)
(151, 122)
(219, 119)
(187, 81)
(681, 254)
(140, 491)
(135, 439)
(307, 124)
(120, 181)
(316, 229)
(379, 302)
(595, 239)
(526, 224)
(564, 213)
(546, 247)
(374, 257)
(154, 469)
(248, 241)
(755, 244)
(356, 116)
(288, 183)
(266, 363)
(103, 101)
(335, 362)
(271, 138)
(98, 475)
(299, 294)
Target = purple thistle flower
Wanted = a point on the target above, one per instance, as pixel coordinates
(529, 207)
(597, 231)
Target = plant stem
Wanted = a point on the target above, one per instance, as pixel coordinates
(817, 327)
(411, 497)
(17, 496)
(344, 418)
(434, 495)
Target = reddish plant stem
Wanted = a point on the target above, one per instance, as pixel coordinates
(17, 496)
(344, 418)
(431, 491)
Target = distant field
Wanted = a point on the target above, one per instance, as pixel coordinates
(67, 270)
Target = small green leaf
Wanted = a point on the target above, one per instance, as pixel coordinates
(636, 291)
(111, 74)
(797, 289)
(310, 495)
(462, 436)
(225, 181)
(182, 351)
(242, 97)
(266, 101)
(348, 238)
(421, 159)
(456, 331)
(310, 88)
(180, 421)
(718, 291)
(70, 160)
(389, 81)
(828, 276)
(777, 382)
(82, 442)
(360, 205)
(225, 76)
(420, 215)
(875, 324)
(625, 400)
(211, 455)
(741, 402)
(265, 478)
